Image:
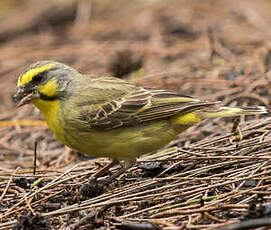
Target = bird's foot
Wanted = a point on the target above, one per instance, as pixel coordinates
(92, 188)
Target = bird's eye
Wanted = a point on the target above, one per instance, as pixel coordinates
(37, 78)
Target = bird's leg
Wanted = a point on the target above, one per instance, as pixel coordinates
(104, 169)
(128, 164)
(115, 175)
(94, 187)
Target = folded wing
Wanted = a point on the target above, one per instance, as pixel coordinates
(141, 106)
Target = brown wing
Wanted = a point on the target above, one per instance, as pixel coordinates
(141, 106)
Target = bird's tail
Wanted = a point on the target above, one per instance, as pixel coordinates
(233, 111)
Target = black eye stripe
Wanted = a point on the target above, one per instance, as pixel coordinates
(41, 76)
(38, 77)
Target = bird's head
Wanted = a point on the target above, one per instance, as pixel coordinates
(43, 80)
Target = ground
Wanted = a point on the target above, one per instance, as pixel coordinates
(213, 175)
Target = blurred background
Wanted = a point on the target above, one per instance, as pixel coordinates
(213, 49)
(219, 39)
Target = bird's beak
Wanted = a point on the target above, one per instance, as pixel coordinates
(23, 96)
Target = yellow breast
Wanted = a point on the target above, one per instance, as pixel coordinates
(51, 112)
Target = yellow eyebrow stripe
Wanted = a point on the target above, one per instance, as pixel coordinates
(27, 77)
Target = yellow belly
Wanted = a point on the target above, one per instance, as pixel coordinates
(131, 142)
(122, 143)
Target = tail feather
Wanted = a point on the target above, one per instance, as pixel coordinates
(234, 111)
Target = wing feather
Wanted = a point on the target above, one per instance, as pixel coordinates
(141, 106)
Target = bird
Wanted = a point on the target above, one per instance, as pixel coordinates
(104, 116)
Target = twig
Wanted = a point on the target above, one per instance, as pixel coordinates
(247, 224)
(8, 184)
